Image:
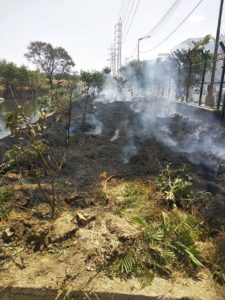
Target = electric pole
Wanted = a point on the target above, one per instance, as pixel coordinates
(210, 99)
(116, 49)
(119, 44)
(140, 39)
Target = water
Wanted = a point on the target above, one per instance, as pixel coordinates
(29, 107)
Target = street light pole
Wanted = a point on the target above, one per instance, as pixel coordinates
(140, 39)
(210, 97)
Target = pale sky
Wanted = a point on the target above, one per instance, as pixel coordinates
(85, 27)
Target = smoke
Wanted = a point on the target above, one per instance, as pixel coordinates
(189, 130)
(115, 136)
(95, 125)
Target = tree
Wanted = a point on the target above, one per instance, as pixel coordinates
(53, 61)
(86, 78)
(36, 79)
(8, 72)
(194, 54)
(94, 79)
(22, 76)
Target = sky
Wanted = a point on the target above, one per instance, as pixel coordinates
(85, 28)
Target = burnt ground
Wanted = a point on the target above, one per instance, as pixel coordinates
(65, 252)
(91, 154)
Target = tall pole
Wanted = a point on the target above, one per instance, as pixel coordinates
(119, 45)
(140, 39)
(217, 43)
(138, 58)
(210, 98)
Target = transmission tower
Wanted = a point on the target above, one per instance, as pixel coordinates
(116, 49)
(113, 60)
(119, 44)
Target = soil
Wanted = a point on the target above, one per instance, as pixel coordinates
(73, 250)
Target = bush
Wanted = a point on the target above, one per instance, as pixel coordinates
(164, 247)
(25, 156)
(176, 187)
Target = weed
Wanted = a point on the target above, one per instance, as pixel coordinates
(25, 156)
(219, 267)
(5, 197)
(165, 246)
(131, 265)
(176, 187)
(131, 195)
(177, 234)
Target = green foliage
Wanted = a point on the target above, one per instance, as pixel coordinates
(52, 61)
(8, 73)
(102, 197)
(176, 233)
(131, 195)
(195, 54)
(43, 102)
(14, 76)
(36, 79)
(25, 156)
(59, 96)
(5, 197)
(131, 265)
(167, 245)
(176, 186)
(93, 79)
(219, 266)
(14, 122)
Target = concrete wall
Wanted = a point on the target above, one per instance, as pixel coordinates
(48, 294)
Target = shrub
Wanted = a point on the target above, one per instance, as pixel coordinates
(165, 246)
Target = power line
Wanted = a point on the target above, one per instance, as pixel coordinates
(126, 22)
(129, 27)
(165, 17)
(161, 21)
(126, 7)
(175, 29)
(121, 9)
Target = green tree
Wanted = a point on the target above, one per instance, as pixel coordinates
(8, 73)
(194, 54)
(22, 76)
(36, 80)
(94, 79)
(52, 61)
(87, 79)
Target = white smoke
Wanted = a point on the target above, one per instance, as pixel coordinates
(184, 129)
(96, 125)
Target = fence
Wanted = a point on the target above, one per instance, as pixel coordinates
(192, 84)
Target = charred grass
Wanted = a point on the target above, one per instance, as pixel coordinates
(138, 220)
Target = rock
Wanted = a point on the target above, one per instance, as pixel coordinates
(63, 227)
(7, 235)
(83, 220)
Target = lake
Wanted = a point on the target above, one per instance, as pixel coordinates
(29, 107)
